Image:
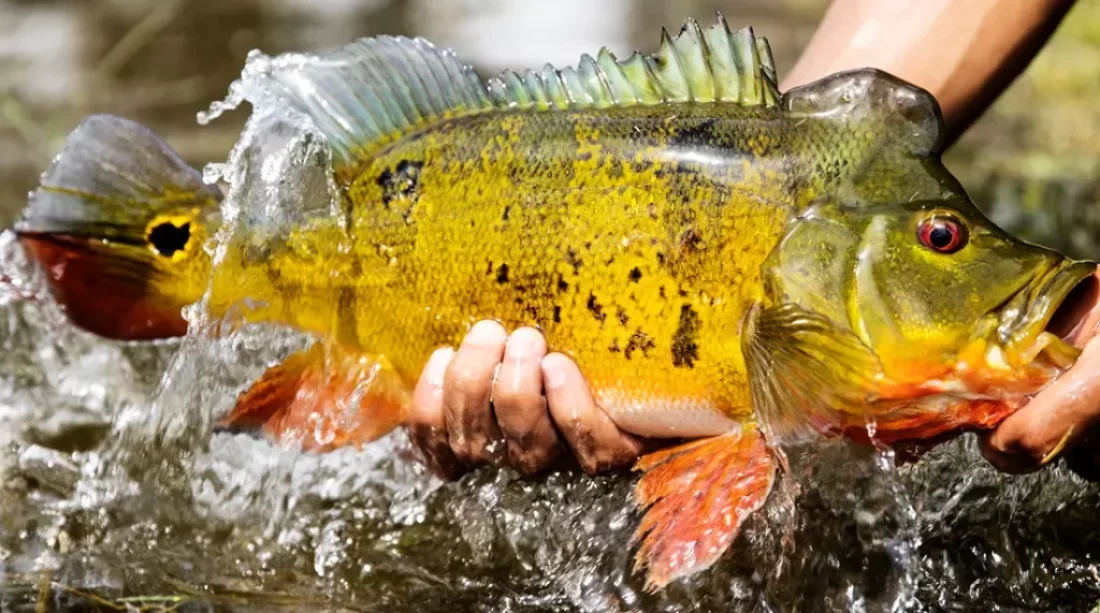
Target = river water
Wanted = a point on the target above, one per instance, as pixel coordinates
(114, 493)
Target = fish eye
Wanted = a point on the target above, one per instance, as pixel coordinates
(942, 233)
(168, 237)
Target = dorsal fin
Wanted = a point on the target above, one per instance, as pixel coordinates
(374, 90)
(715, 65)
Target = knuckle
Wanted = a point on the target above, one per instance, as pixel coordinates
(467, 378)
(513, 398)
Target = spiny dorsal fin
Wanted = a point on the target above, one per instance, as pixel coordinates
(714, 65)
(376, 89)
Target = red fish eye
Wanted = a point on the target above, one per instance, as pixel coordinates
(942, 233)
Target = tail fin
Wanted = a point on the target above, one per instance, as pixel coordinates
(118, 223)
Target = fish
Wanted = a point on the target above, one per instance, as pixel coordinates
(733, 268)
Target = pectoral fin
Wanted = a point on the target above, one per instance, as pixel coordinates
(808, 376)
(323, 398)
(697, 495)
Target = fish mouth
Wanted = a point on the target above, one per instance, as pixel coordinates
(1061, 303)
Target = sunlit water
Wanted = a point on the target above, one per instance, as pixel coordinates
(113, 483)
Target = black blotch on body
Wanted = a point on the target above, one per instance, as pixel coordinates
(596, 308)
(507, 213)
(573, 260)
(690, 240)
(563, 285)
(623, 317)
(635, 274)
(168, 238)
(557, 314)
(639, 341)
(401, 183)
(685, 349)
(502, 274)
(700, 135)
(614, 348)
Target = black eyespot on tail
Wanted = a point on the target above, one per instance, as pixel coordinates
(168, 238)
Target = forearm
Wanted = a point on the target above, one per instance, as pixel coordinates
(964, 52)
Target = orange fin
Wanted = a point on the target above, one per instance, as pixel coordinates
(697, 495)
(323, 398)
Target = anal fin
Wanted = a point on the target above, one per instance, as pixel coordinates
(697, 496)
(323, 398)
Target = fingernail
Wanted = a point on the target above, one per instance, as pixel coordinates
(522, 344)
(437, 366)
(485, 332)
(553, 371)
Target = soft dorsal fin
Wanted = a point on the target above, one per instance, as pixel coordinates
(374, 90)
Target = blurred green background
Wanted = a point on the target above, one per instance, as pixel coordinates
(1031, 162)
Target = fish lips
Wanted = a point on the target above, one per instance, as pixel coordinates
(1068, 302)
(103, 285)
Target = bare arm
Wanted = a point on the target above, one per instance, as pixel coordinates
(965, 52)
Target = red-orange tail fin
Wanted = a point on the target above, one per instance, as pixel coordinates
(323, 398)
(697, 495)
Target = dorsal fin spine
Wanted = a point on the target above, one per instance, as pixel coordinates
(617, 82)
(670, 74)
(691, 54)
(745, 50)
(721, 61)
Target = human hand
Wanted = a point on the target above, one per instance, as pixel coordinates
(1058, 418)
(503, 400)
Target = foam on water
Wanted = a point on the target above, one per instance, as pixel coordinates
(112, 480)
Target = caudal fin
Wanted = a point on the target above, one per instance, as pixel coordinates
(696, 497)
(118, 223)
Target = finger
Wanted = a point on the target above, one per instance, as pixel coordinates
(1053, 420)
(467, 388)
(596, 441)
(426, 426)
(531, 441)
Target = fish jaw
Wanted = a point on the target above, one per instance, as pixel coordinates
(1016, 353)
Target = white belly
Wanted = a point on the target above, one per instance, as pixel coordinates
(666, 417)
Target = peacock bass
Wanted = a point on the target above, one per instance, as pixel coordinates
(727, 264)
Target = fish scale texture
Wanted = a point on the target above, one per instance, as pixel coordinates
(632, 238)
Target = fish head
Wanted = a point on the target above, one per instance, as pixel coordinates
(966, 321)
(962, 320)
(118, 225)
